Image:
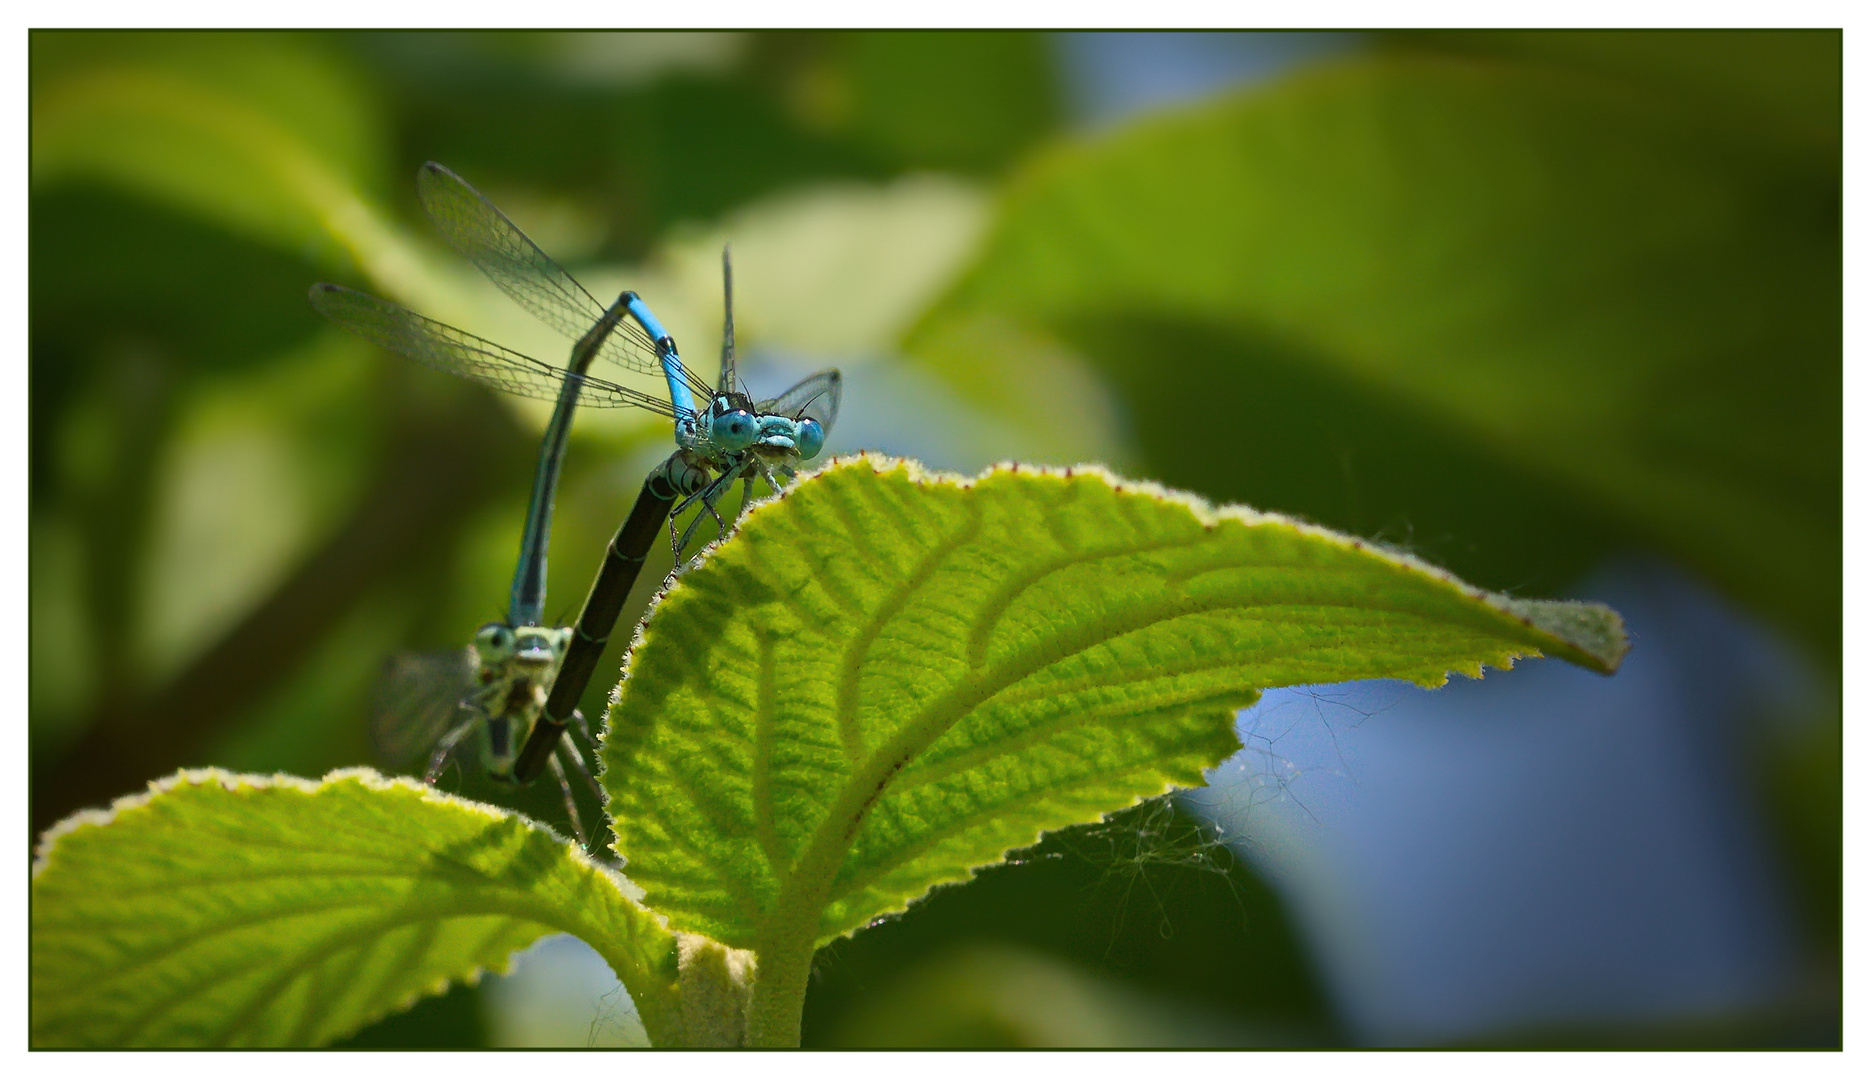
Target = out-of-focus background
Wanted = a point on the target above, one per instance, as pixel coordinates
(1558, 311)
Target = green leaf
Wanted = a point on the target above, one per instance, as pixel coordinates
(892, 676)
(992, 994)
(260, 133)
(1558, 277)
(228, 910)
(945, 99)
(1790, 77)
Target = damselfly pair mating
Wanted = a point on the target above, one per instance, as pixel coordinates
(517, 686)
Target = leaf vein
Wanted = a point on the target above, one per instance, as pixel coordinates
(866, 635)
(765, 697)
(995, 607)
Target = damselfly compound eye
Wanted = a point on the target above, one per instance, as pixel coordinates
(733, 430)
(810, 439)
(494, 639)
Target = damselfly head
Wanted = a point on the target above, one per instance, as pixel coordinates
(540, 646)
(498, 646)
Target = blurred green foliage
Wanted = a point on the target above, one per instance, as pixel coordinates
(1623, 312)
(1513, 300)
(1147, 900)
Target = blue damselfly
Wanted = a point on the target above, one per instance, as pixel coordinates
(500, 685)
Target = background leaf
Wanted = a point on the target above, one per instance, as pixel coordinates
(228, 910)
(255, 131)
(1396, 281)
(892, 677)
(1784, 83)
(983, 996)
(1159, 904)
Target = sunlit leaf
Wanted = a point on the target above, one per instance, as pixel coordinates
(891, 677)
(229, 910)
(833, 269)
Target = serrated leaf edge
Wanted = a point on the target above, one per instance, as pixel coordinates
(371, 779)
(235, 781)
(1206, 513)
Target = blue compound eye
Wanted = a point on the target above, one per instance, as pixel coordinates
(733, 430)
(810, 438)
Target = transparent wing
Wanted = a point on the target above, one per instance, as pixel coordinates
(417, 699)
(486, 237)
(444, 348)
(816, 396)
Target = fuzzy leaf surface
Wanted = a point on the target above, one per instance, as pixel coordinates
(892, 676)
(227, 910)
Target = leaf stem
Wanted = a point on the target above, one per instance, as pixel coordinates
(779, 992)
